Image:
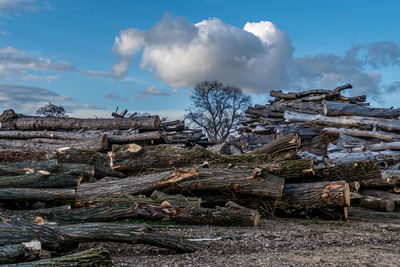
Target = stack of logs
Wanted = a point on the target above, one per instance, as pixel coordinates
(335, 130)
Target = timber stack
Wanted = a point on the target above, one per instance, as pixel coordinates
(63, 179)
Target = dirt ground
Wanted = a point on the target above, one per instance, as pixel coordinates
(366, 239)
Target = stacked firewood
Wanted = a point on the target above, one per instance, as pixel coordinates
(335, 130)
(175, 132)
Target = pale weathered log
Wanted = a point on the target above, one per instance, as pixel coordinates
(378, 204)
(129, 138)
(385, 146)
(390, 125)
(346, 109)
(91, 257)
(279, 145)
(35, 194)
(28, 251)
(365, 134)
(388, 156)
(383, 194)
(66, 123)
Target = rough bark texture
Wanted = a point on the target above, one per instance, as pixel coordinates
(34, 194)
(28, 251)
(14, 155)
(129, 138)
(383, 194)
(385, 146)
(347, 109)
(378, 204)
(291, 169)
(175, 201)
(280, 145)
(41, 179)
(360, 133)
(342, 157)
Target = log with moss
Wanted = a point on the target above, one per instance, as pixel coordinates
(28, 251)
(235, 181)
(14, 155)
(12, 121)
(389, 180)
(292, 170)
(279, 145)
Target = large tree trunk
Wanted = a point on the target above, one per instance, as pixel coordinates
(360, 133)
(15, 122)
(383, 194)
(97, 143)
(390, 125)
(388, 156)
(236, 181)
(129, 138)
(347, 109)
(91, 257)
(378, 204)
(14, 155)
(389, 180)
(385, 146)
(28, 251)
(292, 170)
(34, 194)
(41, 179)
(279, 145)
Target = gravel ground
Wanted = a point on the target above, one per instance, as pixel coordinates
(366, 239)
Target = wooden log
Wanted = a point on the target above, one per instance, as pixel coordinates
(25, 167)
(389, 180)
(390, 125)
(129, 138)
(385, 146)
(388, 156)
(328, 93)
(265, 114)
(28, 251)
(91, 257)
(352, 171)
(364, 134)
(347, 109)
(14, 155)
(291, 169)
(383, 194)
(35, 194)
(378, 204)
(279, 145)
(121, 154)
(143, 208)
(100, 161)
(175, 201)
(66, 123)
(41, 179)
(98, 143)
(67, 238)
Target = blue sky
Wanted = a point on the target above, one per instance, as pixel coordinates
(94, 55)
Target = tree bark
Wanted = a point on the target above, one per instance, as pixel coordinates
(14, 155)
(388, 156)
(129, 138)
(385, 146)
(34, 194)
(346, 109)
(279, 145)
(28, 251)
(175, 201)
(378, 204)
(91, 257)
(383, 194)
(292, 170)
(389, 180)
(64, 123)
(390, 125)
(364, 134)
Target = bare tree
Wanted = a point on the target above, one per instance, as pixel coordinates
(51, 110)
(217, 108)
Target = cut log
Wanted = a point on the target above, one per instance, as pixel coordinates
(279, 145)
(390, 125)
(67, 238)
(97, 143)
(91, 257)
(121, 154)
(14, 155)
(385, 146)
(41, 179)
(291, 169)
(365, 134)
(378, 204)
(388, 156)
(28, 251)
(265, 114)
(346, 109)
(236, 181)
(25, 167)
(175, 201)
(65, 123)
(129, 138)
(353, 171)
(34, 194)
(389, 180)
(383, 194)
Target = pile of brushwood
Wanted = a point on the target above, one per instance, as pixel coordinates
(63, 180)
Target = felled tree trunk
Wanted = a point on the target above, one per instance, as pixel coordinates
(15, 122)
(279, 145)
(129, 138)
(21, 168)
(360, 133)
(347, 109)
(35, 194)
(14, 155)
(67, 238)
(236, 181)
(291, 170)
(378, 204)
(387, 156)
(383, 194)
(41, 179)
(385, 146)
(91, 257)
(28, 251)
(175, 201)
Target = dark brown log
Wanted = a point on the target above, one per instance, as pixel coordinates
(265, 114)
(236, 181)
(25, 167)
(346, 109)
(279, 145)
(389, 180)
(28, 251)
(41, 179)
(378, 204)
(129, 138)
(175, 201)
(67, 238)
(120, 155)
(98, 143)
(353, 171)
(100, 161)
(91, 257)
(291, 169)
(34, 194)
(65, 123)
(143, 208)
(383, 194)
(14, 155)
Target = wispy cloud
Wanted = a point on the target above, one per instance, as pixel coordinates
(8, 7)
(150, 91)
